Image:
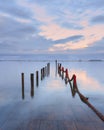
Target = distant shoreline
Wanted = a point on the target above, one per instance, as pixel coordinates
(45, 60)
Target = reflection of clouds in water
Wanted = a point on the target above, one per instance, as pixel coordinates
(57, 84)
(87, 82)
(84, 81)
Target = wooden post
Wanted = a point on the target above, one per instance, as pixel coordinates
(45, 70)
(66, 76)
(37, 78)
(60, 66)
(22, 78)
(56, 66)
(62, 72)
(48, 68)
(32, 84)
(41, 74)
(59, 69)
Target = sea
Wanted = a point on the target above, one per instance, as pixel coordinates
(89, 71)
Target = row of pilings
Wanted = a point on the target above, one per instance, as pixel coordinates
(39, 75)
(64, 74)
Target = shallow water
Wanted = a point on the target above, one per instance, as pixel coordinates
(90, 80)
(52, 98)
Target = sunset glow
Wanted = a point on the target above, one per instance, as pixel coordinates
(51, 27)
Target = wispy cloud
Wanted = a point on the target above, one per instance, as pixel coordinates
(55, 32)
(38, 12)
(75, 38)
(98, 19)
(56, 26)
(89, 38)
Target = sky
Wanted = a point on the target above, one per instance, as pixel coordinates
(51, 26)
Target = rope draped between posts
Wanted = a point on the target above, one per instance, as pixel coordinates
(74, 89)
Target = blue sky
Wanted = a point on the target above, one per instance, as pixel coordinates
(57, 26)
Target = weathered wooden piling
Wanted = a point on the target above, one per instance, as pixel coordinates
(62, 72)
(56, 66)
(41, 74)
(32, 84)
(59, 69)
(37, 78)
(66, 76)
(45, 69)
(48, 68)
(22, 79)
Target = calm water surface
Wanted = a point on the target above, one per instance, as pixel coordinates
(52, 95)
(90, 80)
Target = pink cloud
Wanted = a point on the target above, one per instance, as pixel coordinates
(91, 35)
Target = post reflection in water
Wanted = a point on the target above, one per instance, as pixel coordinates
(88, 84)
